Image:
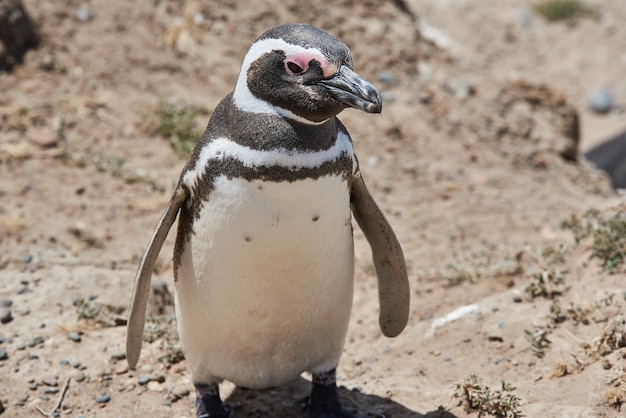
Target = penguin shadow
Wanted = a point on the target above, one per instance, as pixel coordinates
(289, 401)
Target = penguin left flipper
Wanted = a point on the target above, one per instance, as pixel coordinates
(141, 290)
(393, 283)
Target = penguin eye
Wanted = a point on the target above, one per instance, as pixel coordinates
(294, 68)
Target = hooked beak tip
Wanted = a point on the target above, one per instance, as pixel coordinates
(354, 91)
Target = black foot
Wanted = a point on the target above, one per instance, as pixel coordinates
(208, 402)
(324, 400)
(211, 407)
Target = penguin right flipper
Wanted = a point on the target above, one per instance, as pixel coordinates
(141, 290)
(393, 282)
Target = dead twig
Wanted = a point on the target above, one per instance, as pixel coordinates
(57, 408)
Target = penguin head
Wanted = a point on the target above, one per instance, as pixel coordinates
(303, 73)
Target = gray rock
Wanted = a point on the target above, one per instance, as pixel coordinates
(600, 100)
(79, 376)
(3, 354)
(103, 398)
(84, 13)
(6, 303)
(461, 88)
(5, 316)
(386, 77)
(143, 379)
(74, 336)
(31, 342)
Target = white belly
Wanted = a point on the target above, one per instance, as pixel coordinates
(264, 288)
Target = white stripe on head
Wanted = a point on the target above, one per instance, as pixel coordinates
(221, 148)
(248, 102)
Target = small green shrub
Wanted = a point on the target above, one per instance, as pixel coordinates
(564, 10)
(177, 123)
(608, 233)
(538, 341)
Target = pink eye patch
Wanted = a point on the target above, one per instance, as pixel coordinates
(299, 63)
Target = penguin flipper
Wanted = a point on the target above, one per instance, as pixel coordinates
(393, 282)
(141, 290)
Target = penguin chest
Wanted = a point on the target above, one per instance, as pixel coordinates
(264, 289)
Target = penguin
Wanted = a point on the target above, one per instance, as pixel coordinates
(263, 258)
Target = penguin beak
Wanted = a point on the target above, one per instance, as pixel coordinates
(349, 88)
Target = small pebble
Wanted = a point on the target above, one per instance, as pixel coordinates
(31, 342)
(143, 379)
(43, 137)
(5, 340)
(33, 357)
(79, 376)
(21, 401)
(181, 391)
(461, 88)
(53, 389)
(154, 386)
(64, 362)
(517, 299)
(198, 18)
(84, 13)
(74, 336)
(120, 368)
(118, 356)
(166, 402)
(3, 354)
(77, 365)
(27, 258)
(425, 96)
(103, 398)
(6, 303)
(33, 386)
(158, 378)
(49, 381)
(386, 77)
(600, 100)
(44, 397)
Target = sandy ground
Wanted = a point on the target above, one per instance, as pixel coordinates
(465, 160)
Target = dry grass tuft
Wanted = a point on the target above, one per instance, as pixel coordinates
(479, 398)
